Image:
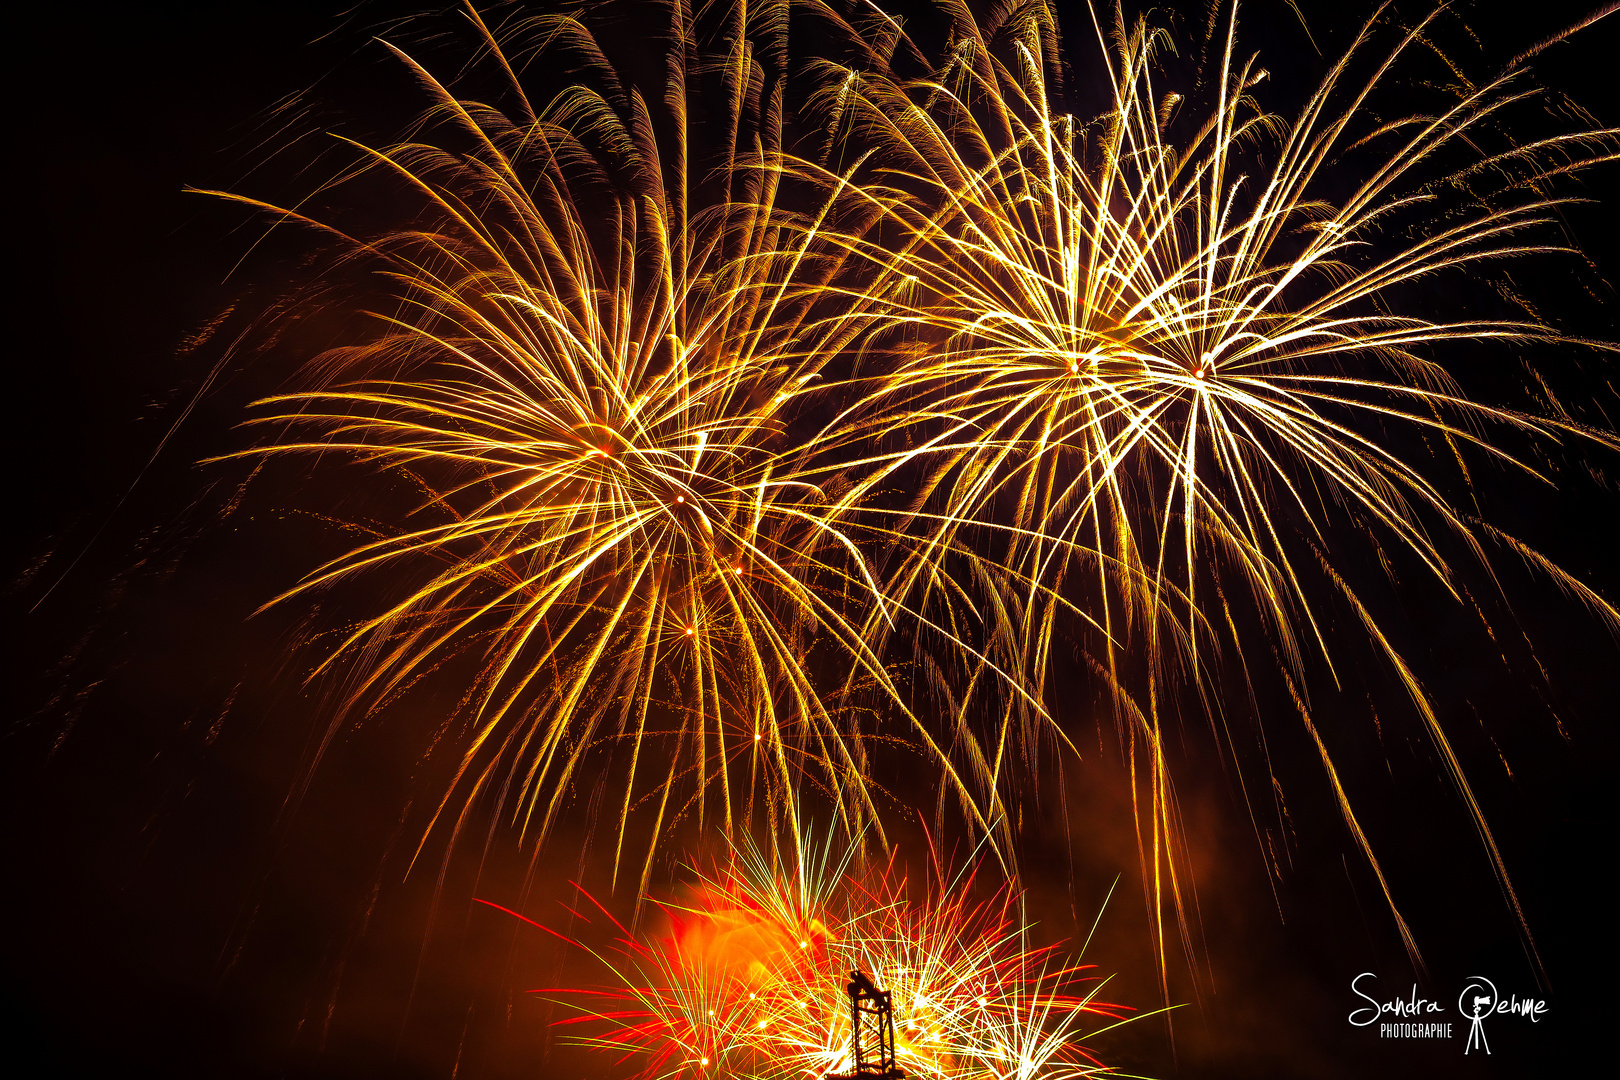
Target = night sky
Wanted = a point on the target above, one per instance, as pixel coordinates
(177, 900)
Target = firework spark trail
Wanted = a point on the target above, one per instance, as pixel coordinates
(593, 384)
(748, 981)
(1152, 372)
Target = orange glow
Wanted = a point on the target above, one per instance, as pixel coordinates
(750, 973)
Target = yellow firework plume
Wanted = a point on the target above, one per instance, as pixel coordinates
(591, 385)
(1150, 372)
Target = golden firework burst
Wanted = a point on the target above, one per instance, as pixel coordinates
(1152, 361)
(593, 385)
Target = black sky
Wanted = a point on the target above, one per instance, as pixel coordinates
(168, 913)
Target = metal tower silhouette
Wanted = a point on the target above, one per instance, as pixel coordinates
(871, 1032)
